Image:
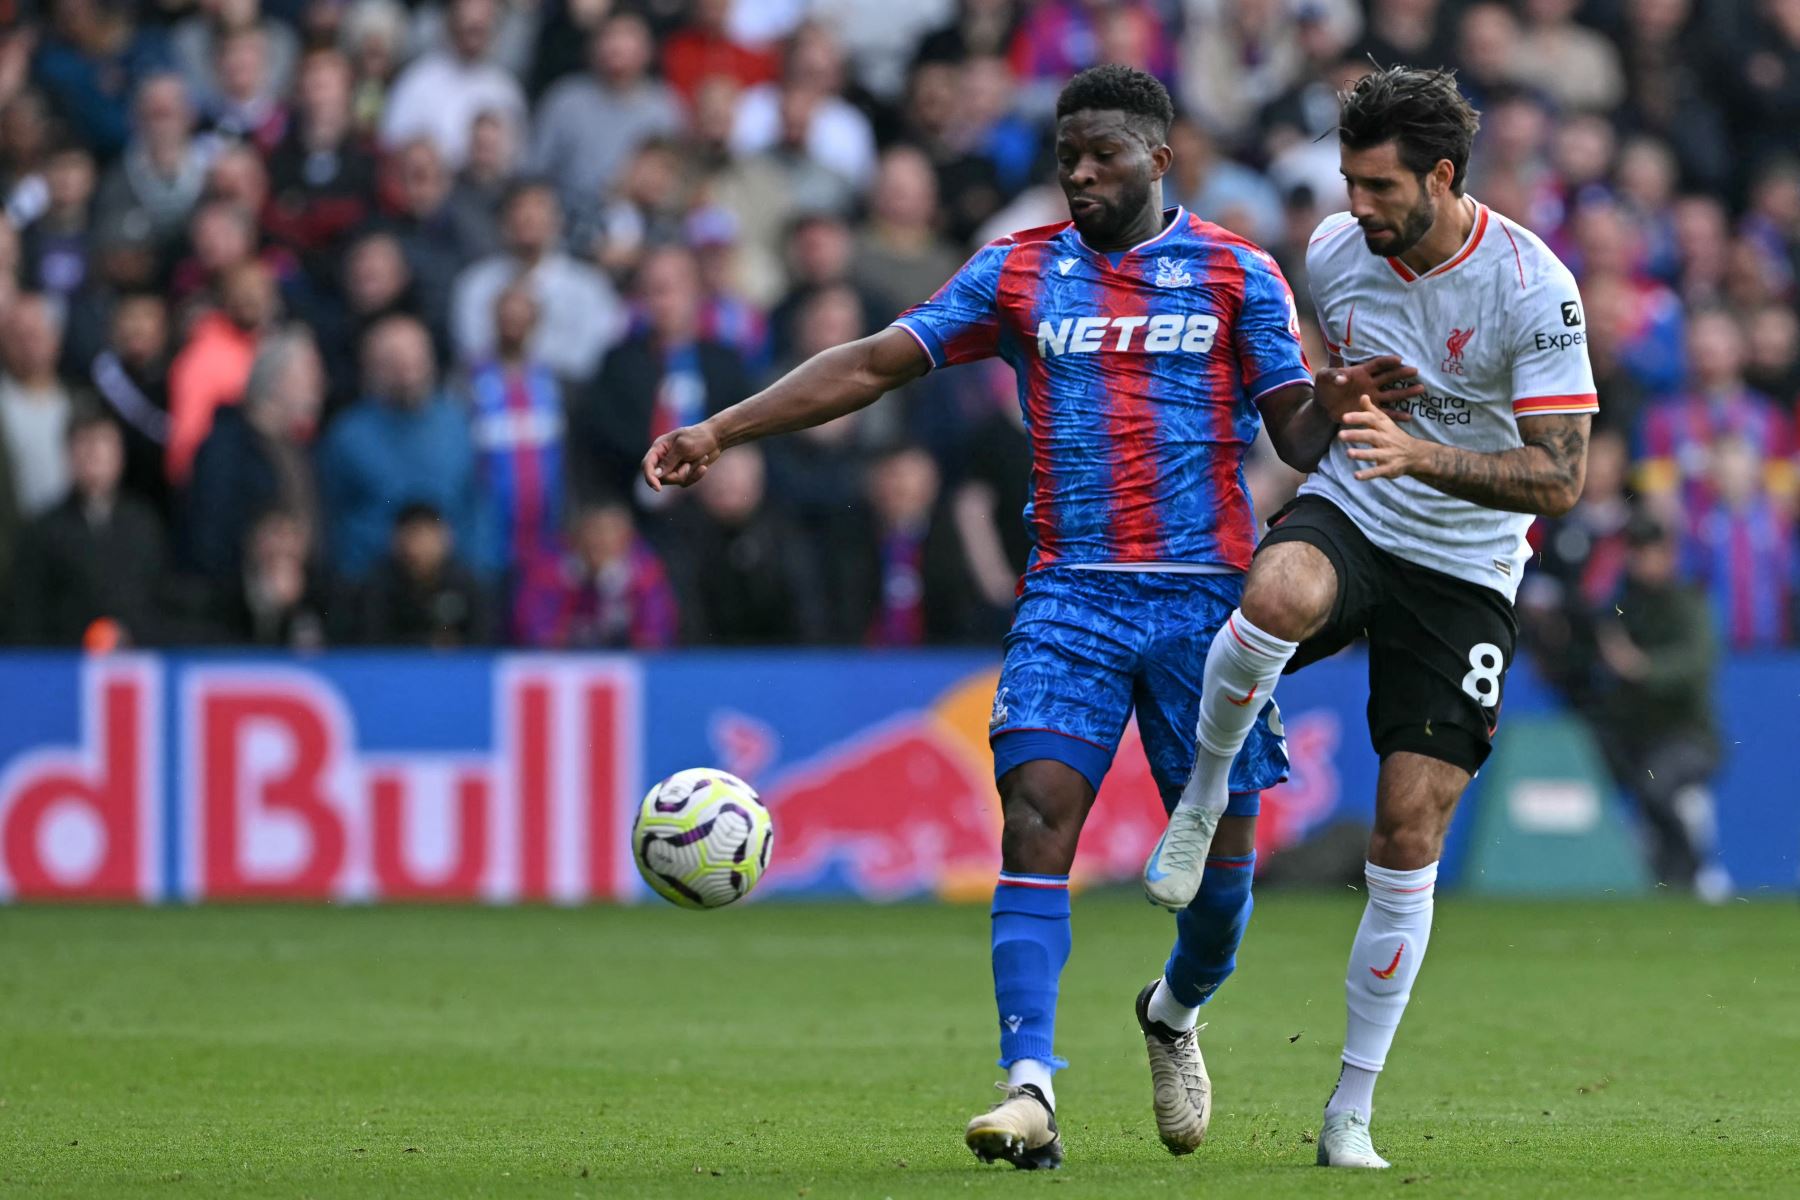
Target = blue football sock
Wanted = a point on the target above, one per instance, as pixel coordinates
(1031, 943)
(1208, 930)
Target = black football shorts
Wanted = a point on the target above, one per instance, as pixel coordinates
(1439, 646)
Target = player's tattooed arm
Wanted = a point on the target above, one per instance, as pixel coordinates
(828, 385)
(1544, 476)
(1302, 420)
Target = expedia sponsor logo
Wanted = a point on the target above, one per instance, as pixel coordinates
(1164, 333)
(1571, 313)
(1559, 341)
(1445, 410)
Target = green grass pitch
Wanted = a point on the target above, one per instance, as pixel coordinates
(1593, 1049)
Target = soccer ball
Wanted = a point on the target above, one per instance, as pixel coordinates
(702, 838)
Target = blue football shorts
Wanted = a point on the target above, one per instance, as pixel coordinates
(1087, 648)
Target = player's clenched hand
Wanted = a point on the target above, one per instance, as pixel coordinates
(1340, 389)
(681, 456)
(1386, 451)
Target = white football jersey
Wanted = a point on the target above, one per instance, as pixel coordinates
(1497, 333)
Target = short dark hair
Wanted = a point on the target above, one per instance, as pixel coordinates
(1112, 87)
(418, 512)
(1421, 111)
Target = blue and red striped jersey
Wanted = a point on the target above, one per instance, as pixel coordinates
(1138, 374)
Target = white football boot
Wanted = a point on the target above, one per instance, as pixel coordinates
(1344, 1142)
(1181, 1090)
(1174, 869)
(1020, 1130)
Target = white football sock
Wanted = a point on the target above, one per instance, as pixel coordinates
(1166, 1008)
(1384, 960)
(1037, 1074)
(1242, 667)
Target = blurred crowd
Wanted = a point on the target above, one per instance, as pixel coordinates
(347, 321)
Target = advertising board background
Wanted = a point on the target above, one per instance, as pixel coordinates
(513, 778)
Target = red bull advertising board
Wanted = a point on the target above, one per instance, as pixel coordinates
(514, 778)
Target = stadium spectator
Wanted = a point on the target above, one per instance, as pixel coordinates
(819, 473)
(1764, 92)
(727, 316)
(1655, 717)
(197, 43)
(704, 48)
(98, 554)
(482, 184)
(648, 205)
(282, 598)
(901, 257)
(130, 376)
(910, 585)
(420, 593)
(1677, 434)
(1576, 66)
(1488, 50)
(994, 489)
(322, 175)
(843, 141)
(377, 284)
(1740, 547)
(1057, 38)
(1579, 569)
(210, 371)
(1670, 92)
(1217, 189)
(807, 111)
(663, 376)
(588, 126)
(580, 315)
(159, 178)
(441, 93)
(25, 143)
(257, 456)
(1237, 58)
(248, 105)
(768, 188)
(440, 232)
(980, 29)
(54, 248)
(820, 251)
(222, 237)
(92, 61)
(35, 406)
(373, 35)
(1773, 364)
(517, 410)
(120, 261)
(744, 574)
(403, 443)
(606, 591)
(1405, 31)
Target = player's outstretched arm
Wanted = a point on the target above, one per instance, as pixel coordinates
(824, 387)
(1302, 420)
(1543, 477)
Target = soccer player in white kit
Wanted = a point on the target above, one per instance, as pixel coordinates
(1414, 535)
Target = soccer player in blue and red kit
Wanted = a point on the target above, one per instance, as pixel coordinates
(1150, 347)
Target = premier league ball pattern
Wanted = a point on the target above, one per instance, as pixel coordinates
(702, 838)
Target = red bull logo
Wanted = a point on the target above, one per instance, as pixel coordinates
(892, 812)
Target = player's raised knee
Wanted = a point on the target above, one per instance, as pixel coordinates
(1291, 590)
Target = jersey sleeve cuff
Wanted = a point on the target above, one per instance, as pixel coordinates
(928, 341)
(1290, 381)
(1556, 406)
